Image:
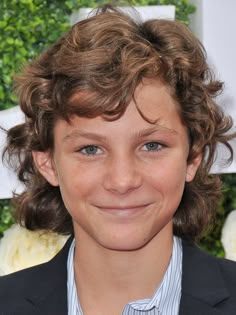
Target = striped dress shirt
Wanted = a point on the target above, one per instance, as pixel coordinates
(165, 300)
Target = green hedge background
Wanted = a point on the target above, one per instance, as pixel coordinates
(27, 27)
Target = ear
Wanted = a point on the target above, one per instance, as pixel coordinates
(192, 167)
(44, 163)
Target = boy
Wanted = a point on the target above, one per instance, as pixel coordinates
(120, 133)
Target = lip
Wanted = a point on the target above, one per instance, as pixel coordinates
(124, 211)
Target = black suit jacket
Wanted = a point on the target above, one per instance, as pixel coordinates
(208, 286)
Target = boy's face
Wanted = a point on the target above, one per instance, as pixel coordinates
(122, 180)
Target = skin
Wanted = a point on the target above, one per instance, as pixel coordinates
(122, 182)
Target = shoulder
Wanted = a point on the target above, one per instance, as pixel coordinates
(20, 280)
(36, 283)
(205, 262)
(208, 280)
(18, 289)
(228, 271)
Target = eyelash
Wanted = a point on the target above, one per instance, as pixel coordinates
(88, 147)
(155, 143)
(157, 147)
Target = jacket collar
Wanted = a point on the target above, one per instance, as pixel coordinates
(203, 286)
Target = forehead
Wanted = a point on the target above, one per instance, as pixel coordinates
(151, 107)
(148, 95)
(154, 96)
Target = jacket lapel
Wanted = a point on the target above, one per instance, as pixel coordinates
(48, 293)
(203, 286)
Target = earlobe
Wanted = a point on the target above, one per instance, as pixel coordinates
(44, 163)
(192, 167)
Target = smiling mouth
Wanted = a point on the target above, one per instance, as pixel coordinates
(129, 210)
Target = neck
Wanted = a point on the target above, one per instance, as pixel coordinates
(120, 276)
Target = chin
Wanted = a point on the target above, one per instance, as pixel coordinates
(126, 244)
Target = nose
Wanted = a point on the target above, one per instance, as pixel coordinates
(122, 176)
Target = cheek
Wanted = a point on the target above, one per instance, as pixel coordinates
(170, 175)
(170, 183)
(76, 183)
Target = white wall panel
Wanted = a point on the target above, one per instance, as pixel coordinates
(215, 25)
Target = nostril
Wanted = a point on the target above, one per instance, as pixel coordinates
(122, 181)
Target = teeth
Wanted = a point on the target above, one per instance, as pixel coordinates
(122, 212)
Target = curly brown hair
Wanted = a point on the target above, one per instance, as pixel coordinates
(101, 61)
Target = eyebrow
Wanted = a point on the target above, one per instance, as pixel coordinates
(99, 137)
(84, 134)
(154, 129)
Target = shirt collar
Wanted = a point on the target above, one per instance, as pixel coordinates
(168, 294)
(74, 307)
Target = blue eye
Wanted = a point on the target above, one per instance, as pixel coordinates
(90, 150)
(152, 146)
